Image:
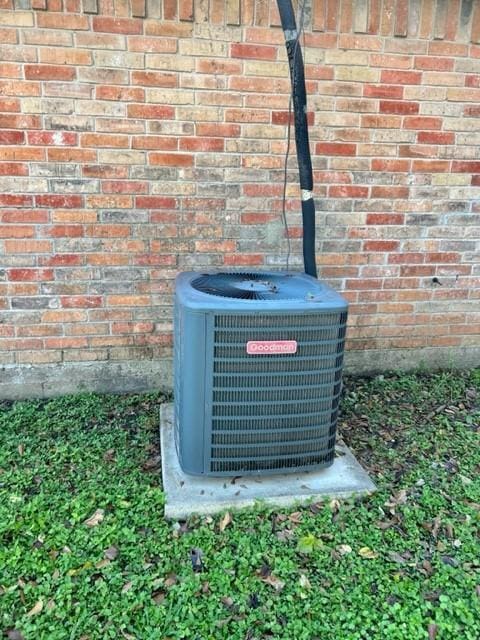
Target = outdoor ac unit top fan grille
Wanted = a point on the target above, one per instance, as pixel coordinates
(245, 286)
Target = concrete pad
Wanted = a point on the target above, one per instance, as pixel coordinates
(186, 495)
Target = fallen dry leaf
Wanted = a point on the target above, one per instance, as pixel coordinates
(102, 563)
(159, 596)
(432, 631)
(127, 586)
(36, 609)
(151, 463)
(225, 521)
(21, 449)
(367, 553)
(95, 519)
(304, 581)
(170, 580)
(227, 601)
(273, 581)
(343, 549)
(295, 517)
(14, 634)
(109, 455)
(334, 505)
(111, 553)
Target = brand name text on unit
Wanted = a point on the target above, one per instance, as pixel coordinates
(268, 347)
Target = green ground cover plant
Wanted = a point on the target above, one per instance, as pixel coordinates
(86, 554)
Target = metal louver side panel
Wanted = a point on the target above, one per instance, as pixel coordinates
(272, 413)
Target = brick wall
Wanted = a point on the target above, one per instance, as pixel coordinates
(140, 138)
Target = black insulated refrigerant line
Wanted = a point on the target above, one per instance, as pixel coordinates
(299, 99)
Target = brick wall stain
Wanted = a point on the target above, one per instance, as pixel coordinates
(142, 138)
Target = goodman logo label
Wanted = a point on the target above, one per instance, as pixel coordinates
(270, 347)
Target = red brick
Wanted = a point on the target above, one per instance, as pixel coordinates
(58, 154)
(63, 260)
(388, 106)
(281, 117)
(108, 231)
(13, 169)
(381, 245)
(171, 159)
(51, 20)
(10, 104)
(120, 94)
(383, 91)
(30, 275)
(149, 111)
(363, 284)
(15, 200)
(390, 192)
(385, 218)
(15, 121)
(476, 181)
(107, 24)
(253, 51)
(431, 63)
(406, 258)
(431, 166)
(416, 151)
(56, 138)
(65, 231)
(27, 246)
(128, 301)
(400, 77)
(335, 149)
(104, 140)
(472, 81)
(436, 137)
(201, 144)
(217, 129)
(124, 186)
(59, 201)
(442, 258)
(262, 190)
(422, 122)
(12, 231)
(466, 166)
(132, 327)
(151, 45)
(12, 137)
(81, 301)
(154, 79)
(49, 72)
(261, 217)
(247, 259)
(409, 271)
(347, 191)
(472, 111)
(380, 164)
(155, 202)
(23, 216)
(163, 143)
(332, 177)
(442, 48)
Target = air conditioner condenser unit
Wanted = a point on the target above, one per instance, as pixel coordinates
(258, 363)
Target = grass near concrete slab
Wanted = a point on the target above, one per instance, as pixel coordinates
(85, 552)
